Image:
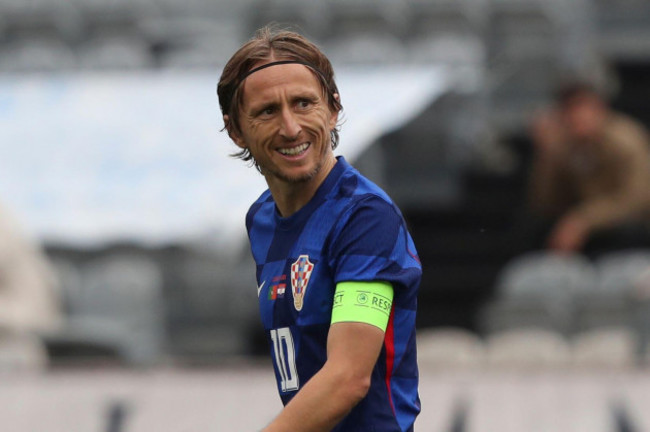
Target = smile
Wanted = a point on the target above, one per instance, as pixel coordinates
(293, 151)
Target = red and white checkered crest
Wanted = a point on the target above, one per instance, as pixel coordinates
(300, 274)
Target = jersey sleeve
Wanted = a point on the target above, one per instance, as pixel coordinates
(371, 243)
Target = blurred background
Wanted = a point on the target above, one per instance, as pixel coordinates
(129, 290)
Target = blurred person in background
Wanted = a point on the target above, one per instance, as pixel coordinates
(29, 303)
(591, 174)
(337, 270)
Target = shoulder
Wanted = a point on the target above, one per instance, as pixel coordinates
(362, 198)
(264, 200)
(627, 133)
(368, 225)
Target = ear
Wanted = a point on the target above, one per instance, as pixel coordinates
(335, 115)
(233, 133)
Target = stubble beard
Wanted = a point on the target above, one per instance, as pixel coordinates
(304, 178)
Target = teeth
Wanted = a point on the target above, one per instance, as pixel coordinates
(294, 150)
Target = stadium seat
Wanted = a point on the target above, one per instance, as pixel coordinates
(621, 270)
(447, 49)
(449, 348)
(120, 307)
(610, 301)
(106, 11)
(365, 48)
(309, 18)
(115, 52)
(36, 54)
(612, 347)
(444, 17)
(70, 281)
(546, 274)
(641, 308)
(622, 27)
(22, 353)
(536, 290)
(349, 17)
(191, 42)
(527, 40)
(218, 300)
(527, 349)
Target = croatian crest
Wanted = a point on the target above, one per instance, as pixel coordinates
(300, 274)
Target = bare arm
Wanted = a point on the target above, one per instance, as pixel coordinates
(352, 351)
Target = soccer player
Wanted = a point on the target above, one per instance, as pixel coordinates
(337, 270)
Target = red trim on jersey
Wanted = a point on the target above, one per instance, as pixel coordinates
(389, 343)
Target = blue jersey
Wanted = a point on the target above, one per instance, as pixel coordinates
(349, 231)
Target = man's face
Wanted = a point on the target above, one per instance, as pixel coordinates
(285, 123)
(584, 116)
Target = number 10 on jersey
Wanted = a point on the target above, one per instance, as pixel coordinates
(285, 358)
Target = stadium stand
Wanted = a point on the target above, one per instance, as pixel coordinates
(536, 291)
(460, 198)
(310, 18)
(609, 348)
(527, 348)
(610, 301)
(508, 339)
(36, 55)
(367, 48)
(115, 52)
(118, 311)
(22, 353)
(450, 348)
(348, 17)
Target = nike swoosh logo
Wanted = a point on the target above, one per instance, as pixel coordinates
(259, 288)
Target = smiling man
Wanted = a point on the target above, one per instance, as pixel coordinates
(337, 270)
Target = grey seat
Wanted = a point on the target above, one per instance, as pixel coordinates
(348, 17)
(535, 290)
(214, 305)
(526, 348)
(622, 28)
(192, 43)
(450, 348)
(310, 18)
(605, 347)
(457, 17)
(115, 52)
(366, 48)
(623, 297)
(120, 306)
(36, 54)
(610, 302)
(527, 40)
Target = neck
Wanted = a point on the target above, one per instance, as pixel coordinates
(290, 197)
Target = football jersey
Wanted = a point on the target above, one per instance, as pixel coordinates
(349, 231)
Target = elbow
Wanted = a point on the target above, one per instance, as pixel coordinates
(356, 388)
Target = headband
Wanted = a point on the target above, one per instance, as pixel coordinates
(281, 62)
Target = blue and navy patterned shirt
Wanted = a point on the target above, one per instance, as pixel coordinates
(349, 231)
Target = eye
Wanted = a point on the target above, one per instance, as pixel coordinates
(266, 112)
(304, 103)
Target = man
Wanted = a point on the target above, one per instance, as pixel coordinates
(591, 171)
(337, 270)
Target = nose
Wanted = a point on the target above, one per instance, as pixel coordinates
(289, 127)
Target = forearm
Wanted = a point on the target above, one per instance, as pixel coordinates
(321, 404)
(607, 211)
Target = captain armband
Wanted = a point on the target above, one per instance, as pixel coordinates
(366, 302)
